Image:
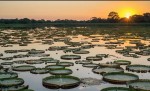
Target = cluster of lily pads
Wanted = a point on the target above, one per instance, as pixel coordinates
(32, 61)
(111, 72)
(29, 53)
(9, 81)
(136, 51)
(61, 78)
(89, 62)
(116, 75)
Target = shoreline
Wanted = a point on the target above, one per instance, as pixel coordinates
(40, 25)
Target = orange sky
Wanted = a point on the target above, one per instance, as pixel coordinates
(80, 10)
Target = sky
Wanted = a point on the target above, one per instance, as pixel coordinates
(77, 10)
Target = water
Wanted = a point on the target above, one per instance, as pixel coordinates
(35, 80)
(108, 70)
(61, 71)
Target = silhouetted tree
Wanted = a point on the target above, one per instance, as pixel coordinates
(113, 17)
(146, 17)
(123, 20)
(137, 18)
(33, 21)
(95, 20)
(25, 21)
(41, 21)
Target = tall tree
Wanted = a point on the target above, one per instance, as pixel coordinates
(113, 17)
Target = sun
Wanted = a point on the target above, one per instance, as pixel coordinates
(128, 14)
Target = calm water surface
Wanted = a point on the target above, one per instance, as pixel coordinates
(35, 80)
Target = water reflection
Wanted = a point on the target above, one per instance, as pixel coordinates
(35, 80)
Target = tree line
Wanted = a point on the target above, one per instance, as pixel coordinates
(113, 17)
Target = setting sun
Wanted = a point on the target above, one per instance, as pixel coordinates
(128, 14)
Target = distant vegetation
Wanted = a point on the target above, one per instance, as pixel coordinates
(113, 17)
